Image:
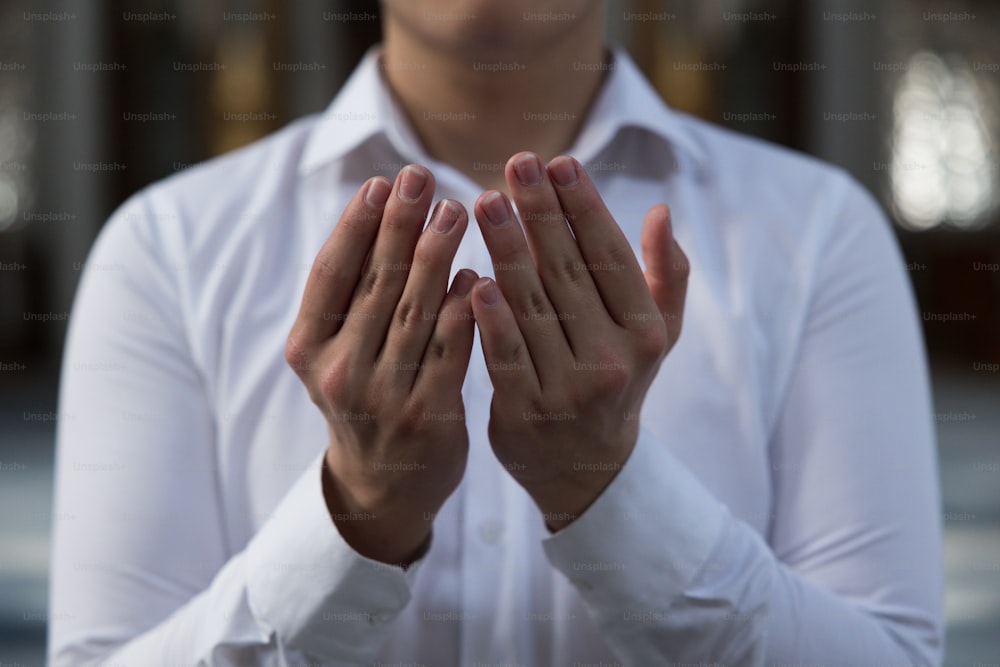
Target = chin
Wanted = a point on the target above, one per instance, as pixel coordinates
(491, 28)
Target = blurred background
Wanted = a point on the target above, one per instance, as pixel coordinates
(100, 100)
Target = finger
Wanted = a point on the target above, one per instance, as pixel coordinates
(602, 243)
(667, 268)
(425, 289)
(518, 280)
(560, 265)
(508, 359)
(384, 277)
(446, 357)
(337, 267)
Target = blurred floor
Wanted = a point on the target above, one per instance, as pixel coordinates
(969, 440)
(969, 446)
(27, 434)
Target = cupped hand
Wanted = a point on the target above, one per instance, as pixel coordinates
(383, 347)
(572, 330)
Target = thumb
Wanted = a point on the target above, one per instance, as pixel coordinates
(667, 268)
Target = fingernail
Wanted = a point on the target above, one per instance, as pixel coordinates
(412, 183)
(528, 170)
(463, 283)
(496, 209)
(563, 171)
(488, 292)
(445, 217)
(378, 193)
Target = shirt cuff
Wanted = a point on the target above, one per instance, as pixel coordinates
(644, 539)
(311, 588)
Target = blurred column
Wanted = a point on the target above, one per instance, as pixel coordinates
(314, 40)
(66, 43)
(846, 118)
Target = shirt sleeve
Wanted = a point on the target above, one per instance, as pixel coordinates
(141, 573)
(851, 573)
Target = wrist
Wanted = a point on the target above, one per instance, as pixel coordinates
(561, 503)
(564, 498)
(393, 535)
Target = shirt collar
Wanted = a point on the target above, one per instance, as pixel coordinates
(365, 108)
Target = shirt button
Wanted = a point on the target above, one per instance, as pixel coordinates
(491, 531)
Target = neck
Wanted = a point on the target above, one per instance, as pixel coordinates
(474, 114)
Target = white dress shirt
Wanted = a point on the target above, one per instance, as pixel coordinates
(781, 505)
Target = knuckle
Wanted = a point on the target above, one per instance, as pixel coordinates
(651, 341)
(413, 416)
(437, 350)
(511, 354)
(334, 382)
(381, 277)
(402, 221)
(534, 305)
(569, 270)
(613, 381)
(517, 352)
(610, 376)
(297, 353)
(324, 271)
(509, 251)
(425, 253)
(408, 316)
(620, 254)
(366, 218)
(371, 282)
(356, 220)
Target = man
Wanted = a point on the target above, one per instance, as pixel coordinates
(551, 494)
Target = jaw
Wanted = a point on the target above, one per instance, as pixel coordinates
(494, 30)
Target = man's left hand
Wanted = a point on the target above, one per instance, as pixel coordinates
(575, 333)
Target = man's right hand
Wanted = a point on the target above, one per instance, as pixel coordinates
(383, 351)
